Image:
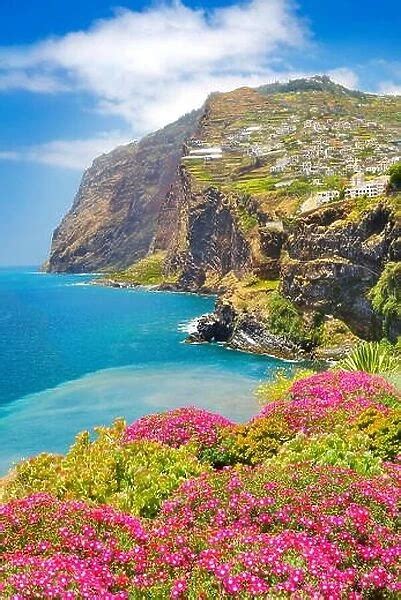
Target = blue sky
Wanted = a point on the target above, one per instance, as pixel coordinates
(79, 77)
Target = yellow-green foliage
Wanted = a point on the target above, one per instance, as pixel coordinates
(261, 439)
(372, 357)
(382, 430)
(134, 477)
(147, 271)
(363, 204)
(335, 332)
(340, 449)
(279, 387)
(386, 294)
(285, 319)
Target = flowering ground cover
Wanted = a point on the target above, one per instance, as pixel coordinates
(178, 427)
(318, 402)
(313, 512)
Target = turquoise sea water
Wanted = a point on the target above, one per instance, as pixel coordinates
(73, 356)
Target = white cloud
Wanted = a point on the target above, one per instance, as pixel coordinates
(389, 87)
(31, 82)
(69, 154)
(152, 66)
(345, 76)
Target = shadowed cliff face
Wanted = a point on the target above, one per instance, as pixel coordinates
(332, 263)
(207, 238)
(114, 216)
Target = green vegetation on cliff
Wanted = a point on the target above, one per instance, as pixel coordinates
(147, 271)
(285, 319)
(386, 295)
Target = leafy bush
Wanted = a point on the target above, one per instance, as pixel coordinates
(261, 439)
(372, 357)
(178, 427)
(135, 477)
(386, 295)
(395, 176)
(383, 431)
(339, 449)
(285, 319)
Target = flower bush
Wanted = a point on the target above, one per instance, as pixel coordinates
(311, 532)
(179, 427)
(279, 387)
(66, 550)
(134, 477)
(307, 509)
(321, 401)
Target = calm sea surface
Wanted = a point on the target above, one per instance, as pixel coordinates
(73, 356)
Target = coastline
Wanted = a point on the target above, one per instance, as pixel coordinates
(241, 332)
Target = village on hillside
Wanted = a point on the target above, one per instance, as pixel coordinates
(335, 153)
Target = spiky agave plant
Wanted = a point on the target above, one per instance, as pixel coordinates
(372, 357)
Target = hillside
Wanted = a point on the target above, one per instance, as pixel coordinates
(276, 196)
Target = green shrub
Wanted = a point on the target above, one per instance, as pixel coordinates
(261, 439)
(226, 451)
(338, 449)
(382, 430)
(386, 295)
(285, 319)
(372, 357)
(395, 176)
(134, 477)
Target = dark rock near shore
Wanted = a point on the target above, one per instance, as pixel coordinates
(245, 332)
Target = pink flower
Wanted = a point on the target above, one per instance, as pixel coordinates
(178, 427)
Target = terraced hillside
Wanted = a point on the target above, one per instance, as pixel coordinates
(281, 147)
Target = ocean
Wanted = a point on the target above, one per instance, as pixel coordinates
(74, 355)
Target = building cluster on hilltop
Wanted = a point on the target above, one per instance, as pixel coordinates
(310, 143)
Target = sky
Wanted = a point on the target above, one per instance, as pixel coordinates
(78, 78)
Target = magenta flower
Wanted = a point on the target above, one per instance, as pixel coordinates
(178, 427)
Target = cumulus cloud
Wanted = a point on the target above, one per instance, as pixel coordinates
(345, 76)
(390, 87)
(151, 66)
(69, 154)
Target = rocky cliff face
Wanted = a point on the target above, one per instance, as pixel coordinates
(333, 262)
(208, 241)
(114, 215)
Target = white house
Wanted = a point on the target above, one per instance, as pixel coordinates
(211, 152)
(327, 196)
(371, 189)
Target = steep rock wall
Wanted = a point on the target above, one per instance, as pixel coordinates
(333, 262)
(113, 220)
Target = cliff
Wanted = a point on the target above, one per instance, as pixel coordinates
(113, 219)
